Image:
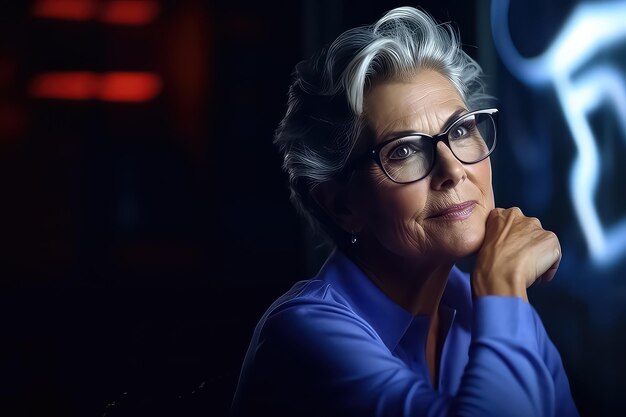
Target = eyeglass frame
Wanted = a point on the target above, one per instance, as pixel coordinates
(374, 153)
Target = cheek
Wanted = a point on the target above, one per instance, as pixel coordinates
(481, 176)
(394, 207)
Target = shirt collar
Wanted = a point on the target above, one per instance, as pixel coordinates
(388, 318)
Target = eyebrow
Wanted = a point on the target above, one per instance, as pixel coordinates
(453, 117)
(459, 111)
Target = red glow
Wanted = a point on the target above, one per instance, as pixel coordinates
(119, 12)
(66, 9)
(129, 86)
(130, 12)
(112, 86)
(65, 85)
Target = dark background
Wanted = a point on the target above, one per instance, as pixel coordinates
(142, 241)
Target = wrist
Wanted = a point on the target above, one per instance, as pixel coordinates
(512, 286)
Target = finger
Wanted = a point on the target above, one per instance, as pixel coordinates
(550, 273)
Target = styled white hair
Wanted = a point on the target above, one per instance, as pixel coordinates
(324, 119)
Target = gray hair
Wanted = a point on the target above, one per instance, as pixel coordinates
(324, 119)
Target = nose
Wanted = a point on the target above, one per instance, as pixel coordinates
(448, 171)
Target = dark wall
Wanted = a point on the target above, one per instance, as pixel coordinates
(142, 241)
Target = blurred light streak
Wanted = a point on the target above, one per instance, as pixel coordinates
(66, 9)
(129, 86)
(129, 12)
(78, 85)
(187, 52)
(83, 85)
(116, 12)
(591, 28)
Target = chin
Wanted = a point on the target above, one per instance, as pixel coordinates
(466, 244)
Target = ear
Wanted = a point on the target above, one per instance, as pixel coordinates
(332, 197)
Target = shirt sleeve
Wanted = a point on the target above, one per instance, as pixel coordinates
(325, 357)
(563, 397)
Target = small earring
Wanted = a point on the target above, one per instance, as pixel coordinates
(353, 238)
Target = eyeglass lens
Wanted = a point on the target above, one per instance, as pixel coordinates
(410, 158)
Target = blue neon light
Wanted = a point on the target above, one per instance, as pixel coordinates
(591, 28)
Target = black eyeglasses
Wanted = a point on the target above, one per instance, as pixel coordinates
(411, 157)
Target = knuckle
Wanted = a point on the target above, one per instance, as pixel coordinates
(552, 235)
(553, 238)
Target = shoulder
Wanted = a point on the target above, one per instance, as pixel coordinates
(304, 337)
(286, 356)
(310, 309)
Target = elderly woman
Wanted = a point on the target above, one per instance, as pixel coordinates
(387, 151)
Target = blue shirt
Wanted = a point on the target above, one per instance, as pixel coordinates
(337, 345)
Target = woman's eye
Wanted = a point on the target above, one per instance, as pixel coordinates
(402, 152)
(463, 130)
(458, 132)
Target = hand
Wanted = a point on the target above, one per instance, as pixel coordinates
(515, 253)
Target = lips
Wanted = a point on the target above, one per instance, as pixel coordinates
(456, 212)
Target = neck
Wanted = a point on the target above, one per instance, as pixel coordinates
(415, 285)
